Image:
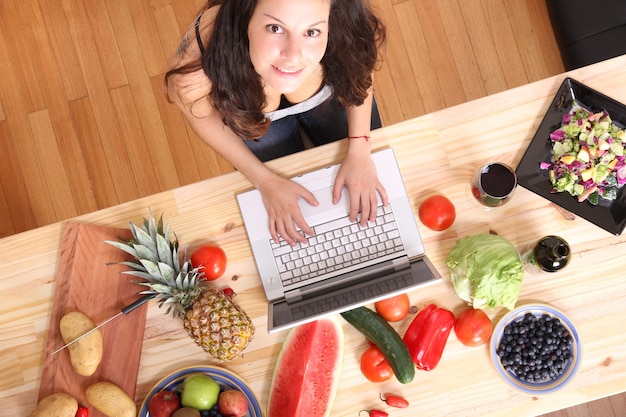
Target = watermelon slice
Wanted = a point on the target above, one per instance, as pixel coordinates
(307, 370)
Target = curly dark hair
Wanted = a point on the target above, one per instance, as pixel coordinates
(354, 40)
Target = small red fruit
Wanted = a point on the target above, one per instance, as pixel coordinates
(473, 327)
(211, 259)
(394, 308)
(395, 401)
(374, 366)
(375, 413)
(437, 213)
(228, 292)
(232, 403)
(82, 412)
(164, 404)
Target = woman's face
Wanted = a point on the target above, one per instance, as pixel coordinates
(288, 39)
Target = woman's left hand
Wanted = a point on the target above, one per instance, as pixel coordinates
(358, 174)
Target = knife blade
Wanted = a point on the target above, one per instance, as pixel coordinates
(129, 308)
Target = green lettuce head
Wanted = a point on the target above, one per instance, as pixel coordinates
(486, 271)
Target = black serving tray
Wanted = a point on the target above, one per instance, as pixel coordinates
(610, 215)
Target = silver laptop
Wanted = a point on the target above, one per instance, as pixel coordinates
(344, 265)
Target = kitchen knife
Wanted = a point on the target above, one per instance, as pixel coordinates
(125, 310)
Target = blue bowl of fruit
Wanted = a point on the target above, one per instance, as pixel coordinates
(200, 391)
(536, 349)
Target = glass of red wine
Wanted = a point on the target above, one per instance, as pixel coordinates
(493, 184)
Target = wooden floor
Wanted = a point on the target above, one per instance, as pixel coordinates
(83, 120)
(84, 124)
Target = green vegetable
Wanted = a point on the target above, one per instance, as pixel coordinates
(379, 332)
(486, 271)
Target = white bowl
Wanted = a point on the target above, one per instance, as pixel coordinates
(547, 385)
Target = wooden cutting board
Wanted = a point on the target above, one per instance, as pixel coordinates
(85, 282)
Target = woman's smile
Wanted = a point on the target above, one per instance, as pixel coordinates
(288, 71)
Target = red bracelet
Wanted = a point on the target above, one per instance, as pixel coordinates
(367, 138)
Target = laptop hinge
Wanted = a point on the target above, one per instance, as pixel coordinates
(347, 279)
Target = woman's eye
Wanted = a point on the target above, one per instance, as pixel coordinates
(312, 33)
(274, 28)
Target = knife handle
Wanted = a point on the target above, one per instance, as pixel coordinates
(137, 303)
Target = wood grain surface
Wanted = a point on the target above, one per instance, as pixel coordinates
(86, 283)
(437, 153)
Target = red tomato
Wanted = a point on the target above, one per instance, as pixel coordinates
(473, 327)
(437, 213)
(212, 259)
(394, 308)
(374, 365)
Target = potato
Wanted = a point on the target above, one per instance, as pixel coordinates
(111, 400)
(85, 354)
(56, 405)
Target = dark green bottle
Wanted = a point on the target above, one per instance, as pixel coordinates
(549, 254)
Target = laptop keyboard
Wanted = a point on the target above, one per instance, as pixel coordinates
(337, 244)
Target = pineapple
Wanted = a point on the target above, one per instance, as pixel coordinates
(212, 319)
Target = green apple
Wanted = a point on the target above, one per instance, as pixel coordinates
(200, 392)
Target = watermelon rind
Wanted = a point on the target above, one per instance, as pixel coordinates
(307, 370)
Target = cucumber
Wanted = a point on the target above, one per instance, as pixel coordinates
(378, 331)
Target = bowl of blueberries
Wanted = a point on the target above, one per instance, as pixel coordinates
(536, 349)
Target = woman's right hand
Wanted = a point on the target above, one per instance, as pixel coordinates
(281, 197)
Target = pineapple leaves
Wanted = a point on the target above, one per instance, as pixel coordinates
(133, 265)
(159, 267)
(168, 273)
(143, 252)
(152, 228)
(125, 247)
(167, 229)
(164, 250)
(186, 280)
(180, 281)
(152, 269)
(175, 260)
(157, 288)
(143, 238)
(139, 274)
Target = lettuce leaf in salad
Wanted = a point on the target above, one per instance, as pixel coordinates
(588, 156)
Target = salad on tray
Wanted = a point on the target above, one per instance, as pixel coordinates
(588, 156)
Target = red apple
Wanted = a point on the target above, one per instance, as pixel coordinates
(232, 403)
(163, 404)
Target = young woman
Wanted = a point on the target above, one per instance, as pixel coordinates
(251, 74)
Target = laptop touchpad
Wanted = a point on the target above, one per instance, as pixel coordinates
(325, 210)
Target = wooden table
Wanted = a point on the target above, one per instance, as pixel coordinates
(437, 154)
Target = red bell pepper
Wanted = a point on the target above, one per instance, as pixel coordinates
(427, 336)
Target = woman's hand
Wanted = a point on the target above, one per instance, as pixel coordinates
(358, 174)
(280, 197)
